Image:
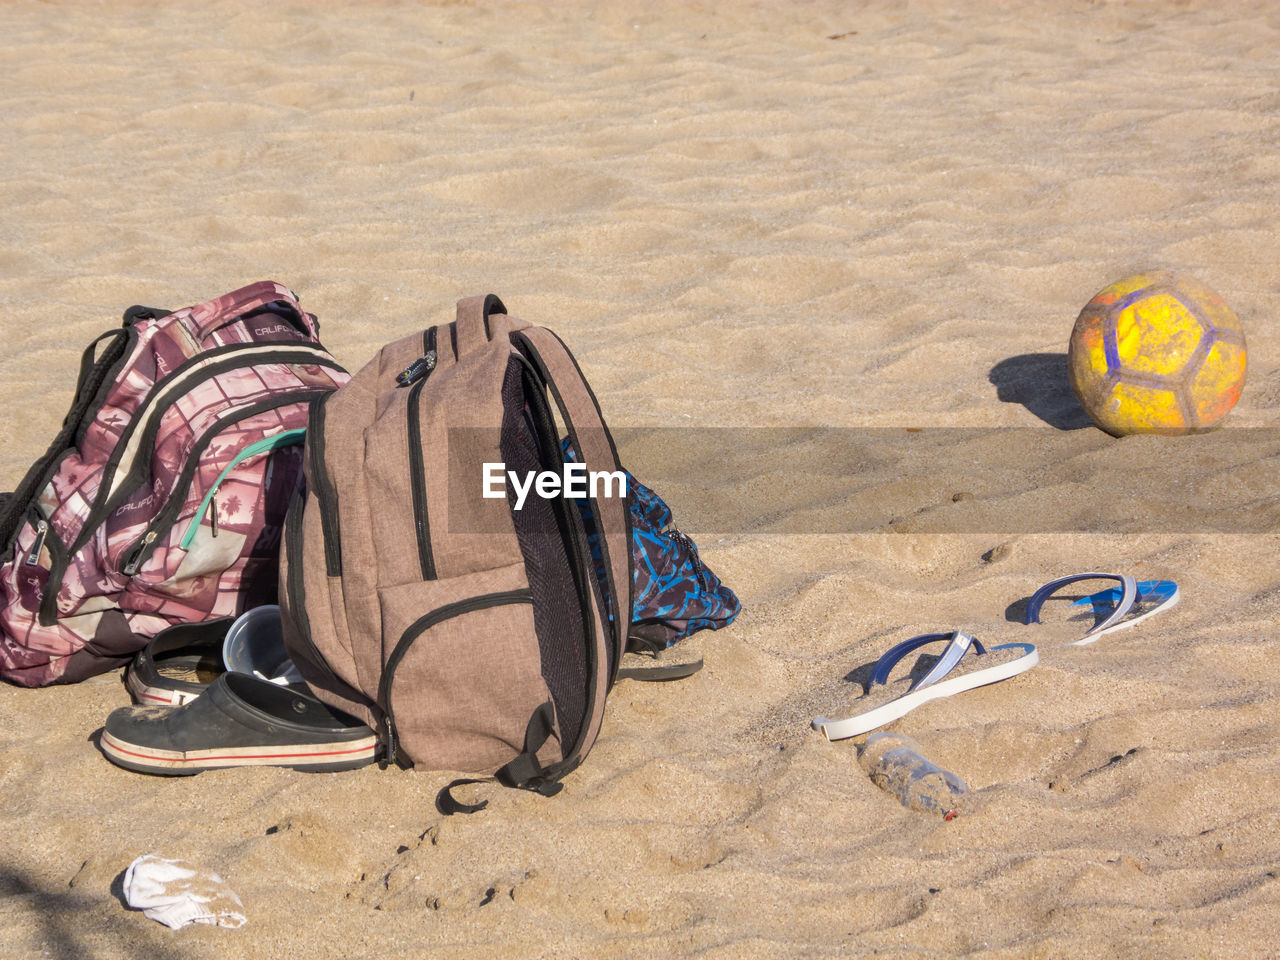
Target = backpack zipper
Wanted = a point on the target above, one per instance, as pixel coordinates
(418, 369)
(47, 538)
(295, 590)
(167, 517)
(417, 456)
(42, 531)
(113, 492)
(207, 506)
(146, 422)
(326, 496)
(421, 626)
(682, 540)
(135, 554)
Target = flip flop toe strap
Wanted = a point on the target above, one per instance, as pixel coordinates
(1128, 595)
(1160, 594)
(958, 646)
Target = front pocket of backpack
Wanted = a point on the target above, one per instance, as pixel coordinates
(462, 671)
(185, 530)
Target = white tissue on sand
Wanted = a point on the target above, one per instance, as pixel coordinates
(176, 894)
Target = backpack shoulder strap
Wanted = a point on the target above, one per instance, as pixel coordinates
(98, 369)
(595, 446)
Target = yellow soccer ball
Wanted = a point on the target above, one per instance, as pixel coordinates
(1157, 353)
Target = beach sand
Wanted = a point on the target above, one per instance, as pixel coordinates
(840, 220)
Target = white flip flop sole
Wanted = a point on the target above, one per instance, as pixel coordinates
(949, 686)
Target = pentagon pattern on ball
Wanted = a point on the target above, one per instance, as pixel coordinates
(1157, 353)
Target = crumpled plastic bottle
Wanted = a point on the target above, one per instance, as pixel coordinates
(895, 765)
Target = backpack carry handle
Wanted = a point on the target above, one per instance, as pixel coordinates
(138, 313)
(472, 329)
(234, 305)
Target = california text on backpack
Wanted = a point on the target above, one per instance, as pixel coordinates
(473, 636)
(160, 501)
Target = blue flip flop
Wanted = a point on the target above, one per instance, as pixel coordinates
(1112, 606)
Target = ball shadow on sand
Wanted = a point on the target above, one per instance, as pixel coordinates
(1039, 382)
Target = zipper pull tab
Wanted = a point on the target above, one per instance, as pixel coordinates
(390, 757)
(135, 559)
(213, 516)
(42, 531)
(417, 370)
(684, 540)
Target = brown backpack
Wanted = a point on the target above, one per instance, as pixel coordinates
(472, 635)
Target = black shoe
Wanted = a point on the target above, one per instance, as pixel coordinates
(238, 721)
(178, 664)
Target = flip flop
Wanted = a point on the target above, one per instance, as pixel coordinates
(947, 676)
(1145, 599)
(655, 667)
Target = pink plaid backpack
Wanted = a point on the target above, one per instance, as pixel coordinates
(162, 498)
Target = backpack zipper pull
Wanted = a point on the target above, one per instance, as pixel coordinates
(417, 370)
(684, 540)
(42, 531)
(135, 558)
(391, 742)
(213, 516)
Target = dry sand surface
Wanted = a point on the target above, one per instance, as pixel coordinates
(849, 218)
